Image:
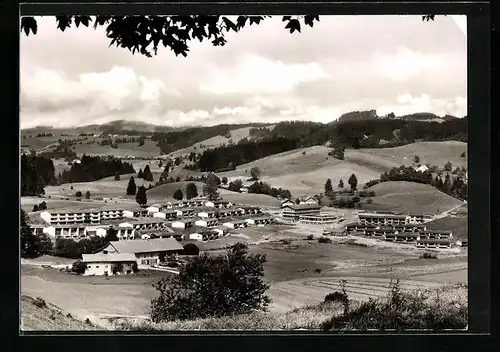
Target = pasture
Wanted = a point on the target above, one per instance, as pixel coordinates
(410, 197)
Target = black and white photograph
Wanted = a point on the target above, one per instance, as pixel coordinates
(243, 172)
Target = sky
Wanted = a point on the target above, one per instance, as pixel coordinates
(396, 64)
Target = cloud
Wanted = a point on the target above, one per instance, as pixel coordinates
(256, 74)
(409, 104)
(405, 63)
(262, 74)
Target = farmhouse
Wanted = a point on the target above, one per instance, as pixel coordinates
(261, 220)
(320, 219)
(185, 212)
(204, 235)
(308, 201)
(433, 243)
(404, 237)
(137, 212)
(147, 252)
(183, 223)
(293, 212)
(236, 224)
(108, 264)
(73, 231)
(205, 222)
(381, 219)
(166, 214)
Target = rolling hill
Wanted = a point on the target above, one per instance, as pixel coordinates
(166, 191)
(410, 197)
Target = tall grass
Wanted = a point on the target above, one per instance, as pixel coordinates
(432, 309)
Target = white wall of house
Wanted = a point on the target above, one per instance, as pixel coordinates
(196, 237)
(146, 260)
(159, 215)
(178, 225)
(128, 214)
(103, 268)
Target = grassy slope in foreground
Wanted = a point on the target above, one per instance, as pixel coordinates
(410, 197)
(48, 318)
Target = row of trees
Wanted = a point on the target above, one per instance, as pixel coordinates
(92, 168)
(264, 188)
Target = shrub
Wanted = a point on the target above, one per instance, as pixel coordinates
(310, 237)
(400, 311)
(428, 255)
(52, 316)
(78, 194)
(88, 322)
(69, 315)
(317, 271)
(336, 297)
(191, 249)
(39, 302)
(286, 241)
(79, 267)
(135, 268)
(213, 286)
(324, 240)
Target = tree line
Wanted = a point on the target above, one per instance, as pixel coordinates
(365, 132)
(92, 168)
(169, 142)
(222, 157)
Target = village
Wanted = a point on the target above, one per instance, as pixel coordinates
(148, 235)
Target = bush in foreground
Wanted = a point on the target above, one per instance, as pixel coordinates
(428, 255)
(324, 240)
(401, 311)
(213, 286)
(39, 302)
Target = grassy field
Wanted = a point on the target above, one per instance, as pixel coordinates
(434, 153)
(149, 149)
(410, 197)
(48, 317)
(166, 191)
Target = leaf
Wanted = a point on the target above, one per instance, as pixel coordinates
(286, 18)
(293, 25)
(27, 24)
(241, 21)
(229, 24)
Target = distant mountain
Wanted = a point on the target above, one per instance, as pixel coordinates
(113, 127)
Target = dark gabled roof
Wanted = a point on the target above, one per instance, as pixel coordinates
(146, 246)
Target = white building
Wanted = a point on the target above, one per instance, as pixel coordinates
(218, 204)
(183, 223)
(70, 231)
(108, 264)
(147, 252)
(236, 224)
(422, 168)
(166, 214)
(206, 222)
(138, 212)
(308, 201)
(208, 214)
(204, 235)
(261, 220)
(154, 209)
(185, 212)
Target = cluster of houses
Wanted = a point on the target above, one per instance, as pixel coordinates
(409, 229)
(196, 219)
